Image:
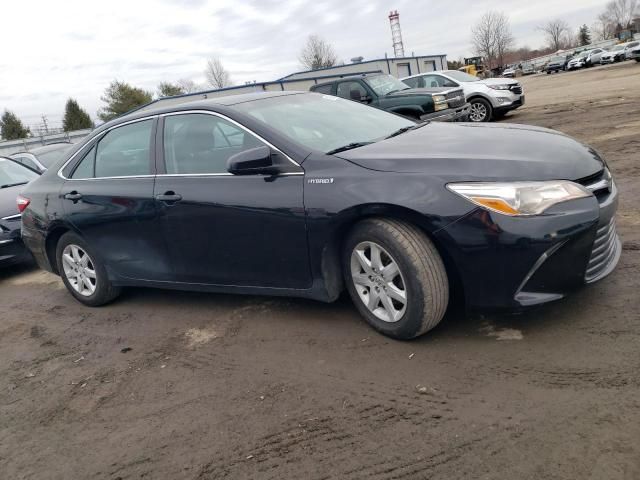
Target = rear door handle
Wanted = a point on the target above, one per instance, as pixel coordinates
(169, 197)
(75, 196)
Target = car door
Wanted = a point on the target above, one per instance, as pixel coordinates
(108, 199)
(224, 229)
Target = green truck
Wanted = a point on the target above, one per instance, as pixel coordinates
(388, 93)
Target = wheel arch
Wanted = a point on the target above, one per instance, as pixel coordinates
(473, 96)
(51, 242)
(331, 261)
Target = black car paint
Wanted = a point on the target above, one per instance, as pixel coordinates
(295, 222)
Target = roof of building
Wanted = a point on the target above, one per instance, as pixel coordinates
(360, 63)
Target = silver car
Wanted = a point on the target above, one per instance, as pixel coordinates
(490, 98)
(594, 57)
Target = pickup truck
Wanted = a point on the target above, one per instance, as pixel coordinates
(388, 93)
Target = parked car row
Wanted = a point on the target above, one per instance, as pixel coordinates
(596, 56)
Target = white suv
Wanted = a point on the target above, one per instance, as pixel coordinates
(490, 98)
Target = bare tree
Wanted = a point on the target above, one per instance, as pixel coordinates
(504, 38)
(216, 74)
(492, 38)
(604, 28)
(557, 33)
(188, 85)
(317, 53)
(621, 12)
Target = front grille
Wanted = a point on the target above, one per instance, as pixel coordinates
(599, 183)
(605, 250)
(517, 89)
(455, 99)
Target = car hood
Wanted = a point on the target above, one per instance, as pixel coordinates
(410, 92)
(471, 152)
(498, 81)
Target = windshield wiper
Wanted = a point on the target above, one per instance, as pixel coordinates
(349, 146)
(13, 184)
(406, 129)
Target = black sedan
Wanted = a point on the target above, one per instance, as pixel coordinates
(13, 178)
(304, 194)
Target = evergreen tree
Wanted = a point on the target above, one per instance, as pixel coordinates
(11, 128)
(120, 98)
(166, 89)
(75, 118)
(584, 36)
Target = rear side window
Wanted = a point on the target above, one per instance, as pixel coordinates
(200, 143)
(415, 82)
(326, 89)
(122, 152)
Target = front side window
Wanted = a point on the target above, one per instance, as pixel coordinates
(351, 91)
(323, 122)
(201, 143)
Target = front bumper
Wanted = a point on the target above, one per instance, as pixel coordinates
(516, 262)
(459, 114)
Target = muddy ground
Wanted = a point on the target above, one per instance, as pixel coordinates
(176, 385)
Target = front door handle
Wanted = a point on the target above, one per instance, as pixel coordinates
(169, 197)
(75, 196)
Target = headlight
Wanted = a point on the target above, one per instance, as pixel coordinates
(519, 198)
(439, 102)
(499, 87)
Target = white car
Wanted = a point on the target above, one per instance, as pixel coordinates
(616, 54)
(490, 98)
(594, 56)
(632, 51)
(578, 61)
(509, 72)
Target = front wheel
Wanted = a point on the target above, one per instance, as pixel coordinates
(395, 277)
(82, 272)
(480, 110)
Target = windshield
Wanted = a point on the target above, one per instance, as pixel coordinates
(385, 84)
(13, 173)
(556, 59)
(49, 158)
(461, 76)
(617, 47)
(323, 122)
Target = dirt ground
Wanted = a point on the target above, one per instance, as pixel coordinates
(177, 385)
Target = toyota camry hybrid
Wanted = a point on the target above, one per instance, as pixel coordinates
(303, 194)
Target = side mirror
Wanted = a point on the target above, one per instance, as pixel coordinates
(255, 161)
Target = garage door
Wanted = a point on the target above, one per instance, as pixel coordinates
(403, 70)
(429, 66)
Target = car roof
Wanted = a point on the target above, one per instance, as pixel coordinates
(350, 77)
(198, 103)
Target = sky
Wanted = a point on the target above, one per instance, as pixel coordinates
(56, 50)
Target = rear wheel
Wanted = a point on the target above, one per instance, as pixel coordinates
(480, 110)
(395, 277)
(82, 272)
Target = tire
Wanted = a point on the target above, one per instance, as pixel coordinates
(421, 276)
(80, 257)
(480, 111)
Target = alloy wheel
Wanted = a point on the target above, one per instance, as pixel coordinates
(79, 270)
(478, 112)
(378, 281)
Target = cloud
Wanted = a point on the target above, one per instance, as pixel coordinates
(145, 42)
